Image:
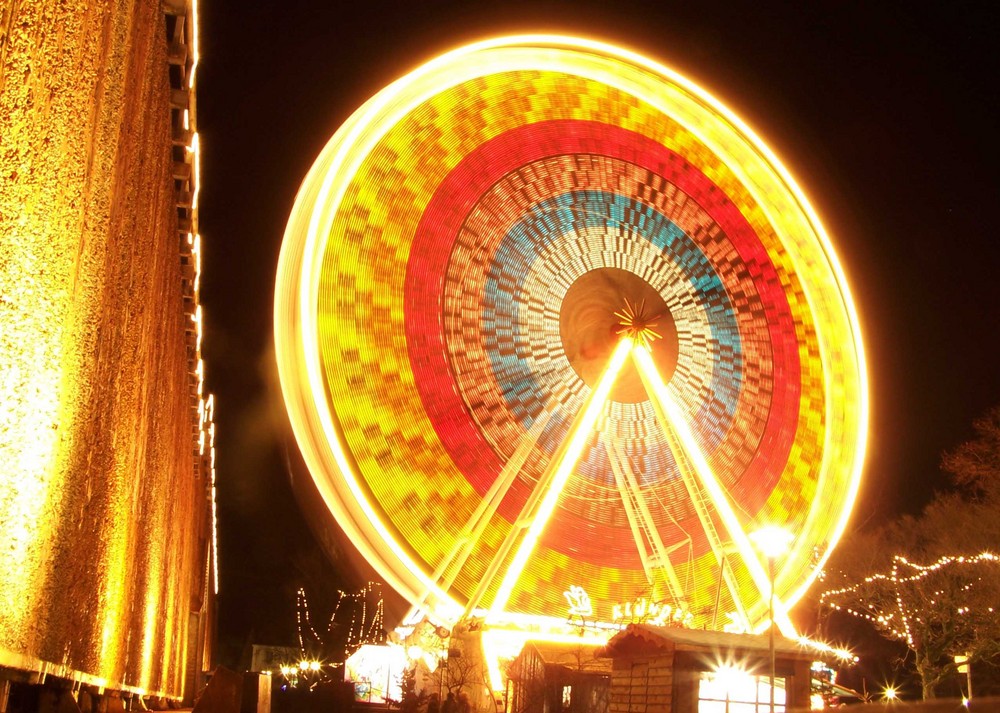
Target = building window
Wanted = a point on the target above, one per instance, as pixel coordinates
(730, 690)
(567, 697)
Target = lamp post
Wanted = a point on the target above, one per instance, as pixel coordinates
(772, 541)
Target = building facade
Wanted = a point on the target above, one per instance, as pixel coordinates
(106, 435)
(559, 678)
(674, 670)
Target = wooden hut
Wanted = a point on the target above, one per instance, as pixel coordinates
(673, 670)
(559, 678)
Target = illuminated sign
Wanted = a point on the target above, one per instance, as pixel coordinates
(643, 611)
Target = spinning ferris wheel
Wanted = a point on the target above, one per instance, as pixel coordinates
(548, 314)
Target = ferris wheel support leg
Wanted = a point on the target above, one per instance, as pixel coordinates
(701, 507)
(631, 515)
(447, 570)
(557, 474)
(671, 415)
(641, 520)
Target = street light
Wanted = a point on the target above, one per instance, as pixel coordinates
(773, 542)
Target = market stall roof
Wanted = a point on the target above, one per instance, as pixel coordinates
(648, 637)
(575, 656)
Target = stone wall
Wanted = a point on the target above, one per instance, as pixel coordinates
(102, 510)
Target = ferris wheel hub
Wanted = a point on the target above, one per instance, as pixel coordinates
(591, 324)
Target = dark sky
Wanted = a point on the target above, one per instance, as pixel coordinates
(887, 114)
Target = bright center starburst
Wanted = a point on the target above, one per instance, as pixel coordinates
(636, 325)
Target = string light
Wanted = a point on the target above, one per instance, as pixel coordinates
(185, 117)
(843, 655)
(898, 624)
(366, 625)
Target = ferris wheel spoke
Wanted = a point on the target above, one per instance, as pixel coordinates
(698, 500)
(643, 526)
(540, 505)
(451, 564)
(673, 422)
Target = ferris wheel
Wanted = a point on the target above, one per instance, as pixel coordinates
(549, 315)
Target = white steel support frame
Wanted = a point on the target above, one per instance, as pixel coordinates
(702, 506)
(643, 526)
(538, 509)
(452, 563)
(524, 518)
(706, 493)
(675, 426)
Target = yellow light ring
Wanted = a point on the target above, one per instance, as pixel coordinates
(364, 305)
(358, 412)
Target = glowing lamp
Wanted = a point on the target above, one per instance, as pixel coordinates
(733, 678)
(773, 541)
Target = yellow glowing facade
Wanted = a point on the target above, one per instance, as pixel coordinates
(423, 331)
(105, 437)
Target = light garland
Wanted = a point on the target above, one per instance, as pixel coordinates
(184, 122)
(843, 655)
(898, 624)
(363, 629)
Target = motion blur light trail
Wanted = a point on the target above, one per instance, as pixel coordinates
(563, 462)
(426, 319)
(672, 418)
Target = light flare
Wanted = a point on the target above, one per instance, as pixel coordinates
(720, 500)
(593, 410)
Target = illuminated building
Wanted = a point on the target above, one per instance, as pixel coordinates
(107, 573)
(548, 314)
(689, 671)
(568, 677)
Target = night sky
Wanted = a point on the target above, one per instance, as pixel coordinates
(887, 115)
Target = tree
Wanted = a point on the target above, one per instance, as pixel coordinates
(461, 670)
(938, 611)
(975, 465)
(411, 699)
(932, 582)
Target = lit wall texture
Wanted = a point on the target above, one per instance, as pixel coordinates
(105, 439)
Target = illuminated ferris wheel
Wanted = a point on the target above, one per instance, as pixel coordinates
(548, 314)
